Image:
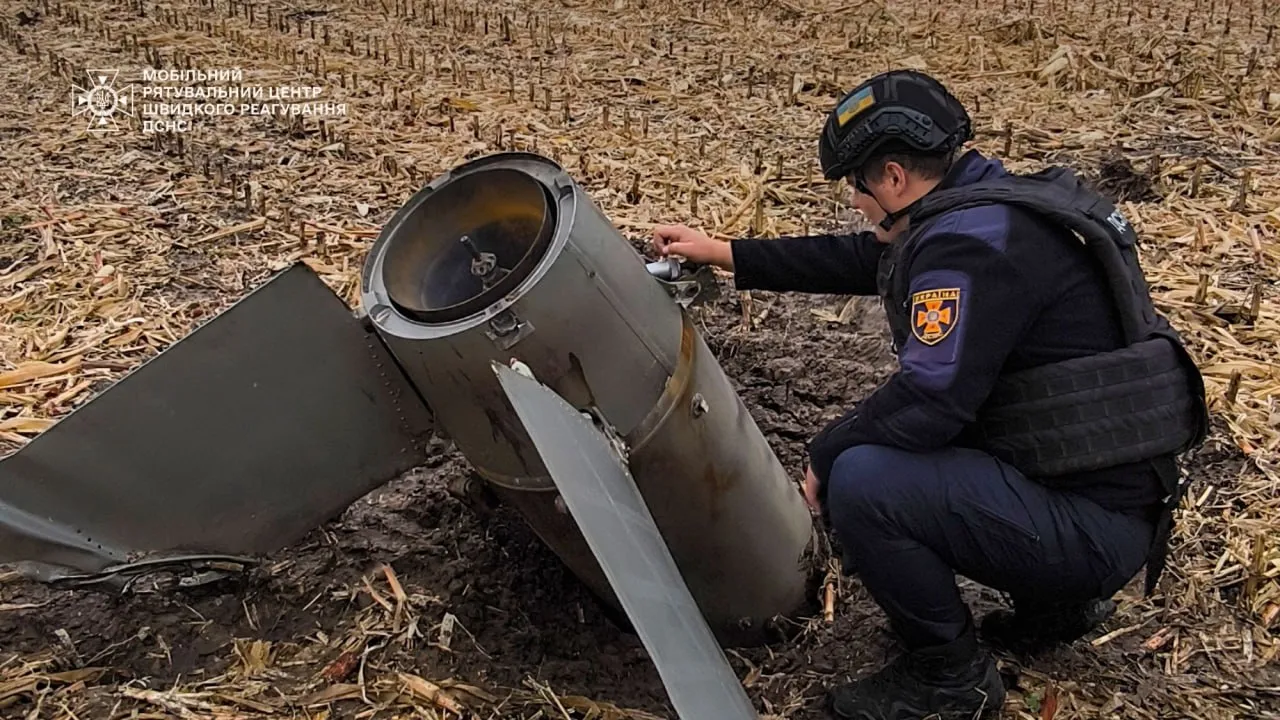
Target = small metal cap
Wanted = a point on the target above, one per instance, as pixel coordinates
(665, 269)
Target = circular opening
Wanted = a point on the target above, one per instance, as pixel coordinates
(467, 244)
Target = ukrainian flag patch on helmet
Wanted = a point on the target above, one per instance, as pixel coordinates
(855, 104)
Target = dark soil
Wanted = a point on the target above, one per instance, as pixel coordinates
(1119, 180)
(521, 614)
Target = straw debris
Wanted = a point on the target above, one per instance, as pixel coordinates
(114, 247)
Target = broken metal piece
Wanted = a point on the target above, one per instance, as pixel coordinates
(606, 504)
(688, 284)
(192, 570)
(260, 425)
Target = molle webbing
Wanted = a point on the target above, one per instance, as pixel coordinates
(1142, 401)
(1100, 410)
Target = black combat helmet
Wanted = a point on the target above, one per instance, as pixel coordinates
(905, 106)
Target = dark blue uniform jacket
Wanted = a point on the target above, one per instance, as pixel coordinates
(993, 289)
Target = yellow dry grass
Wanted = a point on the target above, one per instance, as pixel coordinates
(113, 247)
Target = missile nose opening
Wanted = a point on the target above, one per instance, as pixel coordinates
(467, 245)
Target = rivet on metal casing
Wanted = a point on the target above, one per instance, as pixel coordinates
(699, 407)
(506, 329)
(504, 323)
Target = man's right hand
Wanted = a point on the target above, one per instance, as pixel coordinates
(811, 490)
(693, 245)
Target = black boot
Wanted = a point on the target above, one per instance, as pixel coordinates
(1034, 627)
(956, 681)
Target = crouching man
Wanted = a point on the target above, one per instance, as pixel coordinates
(1028, 440)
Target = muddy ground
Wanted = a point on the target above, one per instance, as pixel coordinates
(519, 613)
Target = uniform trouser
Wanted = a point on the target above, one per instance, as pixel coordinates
(909, 522)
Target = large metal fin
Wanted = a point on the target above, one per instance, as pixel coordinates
(240, 438)
(608, 508)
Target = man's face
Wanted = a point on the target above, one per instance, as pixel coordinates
(881, 192)
(863, 202)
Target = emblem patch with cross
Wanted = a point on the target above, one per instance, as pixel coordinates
(934, 313)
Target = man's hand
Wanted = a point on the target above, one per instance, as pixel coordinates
(693, 245)
(811, 490)
(869, 208)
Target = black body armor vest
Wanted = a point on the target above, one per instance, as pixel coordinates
(1143, 401)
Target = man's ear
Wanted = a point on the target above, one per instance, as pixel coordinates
(896, 175)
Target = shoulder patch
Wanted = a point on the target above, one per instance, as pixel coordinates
(934, 314)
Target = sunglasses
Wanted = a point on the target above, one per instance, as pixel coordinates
(856, 180)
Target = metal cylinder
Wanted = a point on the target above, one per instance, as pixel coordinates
(506, 257)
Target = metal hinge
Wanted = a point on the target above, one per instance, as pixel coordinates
(687, 283)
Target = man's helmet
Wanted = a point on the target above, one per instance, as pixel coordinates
(905, 106)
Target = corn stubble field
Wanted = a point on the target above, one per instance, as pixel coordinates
(113, 247)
